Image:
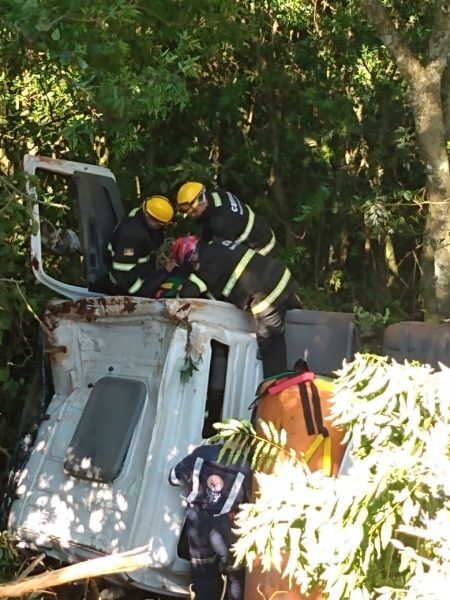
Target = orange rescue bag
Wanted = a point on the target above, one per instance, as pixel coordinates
(298, 404)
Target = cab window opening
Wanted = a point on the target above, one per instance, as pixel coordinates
(216, 387)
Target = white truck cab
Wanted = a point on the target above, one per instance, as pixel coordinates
(136, 383)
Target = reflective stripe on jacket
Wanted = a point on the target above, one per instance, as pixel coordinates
(131, 252)
(239, 274)
(215, 486)
(228, 218)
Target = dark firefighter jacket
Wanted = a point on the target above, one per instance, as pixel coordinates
(228, 218)
(132, 259)
(215, 486)
(235, 273)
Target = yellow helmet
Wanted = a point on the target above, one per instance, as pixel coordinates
(188, 194)
(159, 208)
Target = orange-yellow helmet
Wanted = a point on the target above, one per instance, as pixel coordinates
(188, 194)
(159, 208)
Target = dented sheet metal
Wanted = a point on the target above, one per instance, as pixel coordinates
(146, 340)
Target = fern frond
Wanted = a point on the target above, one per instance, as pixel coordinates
(256, 458)
(241, 442)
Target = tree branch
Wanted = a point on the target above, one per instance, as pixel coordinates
(97, 567)
(378, 16)
(439, 43)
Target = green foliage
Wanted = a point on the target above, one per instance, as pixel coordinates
(70, 86)
(189, 366)
(191, 356)
(19, 302)
(9, 558)
(368, 323)
(230, 92)
(380, 531)
(240, 441)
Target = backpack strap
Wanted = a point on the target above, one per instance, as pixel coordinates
(326, 458)
(282, 384)
(318, 410)
(307, 414)
(314, 423)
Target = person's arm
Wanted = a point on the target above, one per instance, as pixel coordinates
(153, 280)
(193, 287)
(181, 473)
(153, 277)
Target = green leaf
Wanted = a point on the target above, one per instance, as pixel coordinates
(266, 429)
(43, 25)
(256, 458)
(386, 532)
(65, 57)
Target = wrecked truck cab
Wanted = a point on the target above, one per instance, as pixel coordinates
(124, 410)
(137, 382)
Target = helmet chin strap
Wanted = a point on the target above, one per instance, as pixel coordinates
(153, 223)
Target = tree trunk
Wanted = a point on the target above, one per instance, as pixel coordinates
(427, 108)
(446, 100)
(425, 91)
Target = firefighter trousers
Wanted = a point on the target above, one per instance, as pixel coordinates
(210, 538)
(269, 328)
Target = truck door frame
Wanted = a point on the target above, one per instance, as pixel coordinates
(65, 168)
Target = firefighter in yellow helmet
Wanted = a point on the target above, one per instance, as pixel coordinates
(132, 248)
(222, 215)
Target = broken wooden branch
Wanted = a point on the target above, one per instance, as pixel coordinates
(96, 567)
